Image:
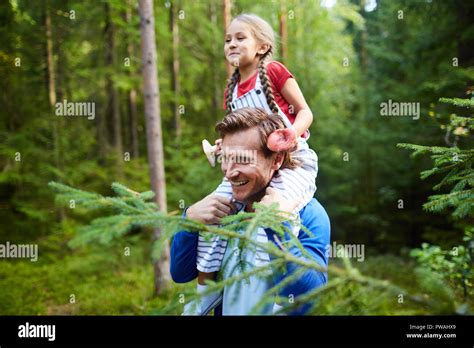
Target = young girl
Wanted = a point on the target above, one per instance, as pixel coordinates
(260, 82)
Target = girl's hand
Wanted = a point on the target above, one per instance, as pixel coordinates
(282, 140)
(274, 196)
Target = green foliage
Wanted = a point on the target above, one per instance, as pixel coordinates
(387, 58)
(468, 103)
(455, 265)
(241, 228)
(456, 165)
(102, 279)
(344, 100)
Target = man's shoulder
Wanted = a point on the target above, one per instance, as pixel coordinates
(314, 212)
(312, 206)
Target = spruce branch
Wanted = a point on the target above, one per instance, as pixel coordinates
(467, 103)
(134, 210)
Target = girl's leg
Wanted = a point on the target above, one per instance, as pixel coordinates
(203, 277)
(298, 183)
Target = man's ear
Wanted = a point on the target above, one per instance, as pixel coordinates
(278, 161)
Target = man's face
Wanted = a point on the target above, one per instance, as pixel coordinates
(245, 166)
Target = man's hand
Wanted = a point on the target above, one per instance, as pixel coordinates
(273, 196)
(211, 209)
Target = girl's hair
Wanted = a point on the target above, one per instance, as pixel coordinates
(264, 34)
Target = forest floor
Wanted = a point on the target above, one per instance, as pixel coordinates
(105, 281)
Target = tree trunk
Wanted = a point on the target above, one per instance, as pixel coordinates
(368, 167)
(215, 59)
(62, 79)
(50, 60)
(175, 70)
(227, 19)
(114, 106)
(283, 33)
(132, 103)
(52, 96)
(132, 94)
(153, 129)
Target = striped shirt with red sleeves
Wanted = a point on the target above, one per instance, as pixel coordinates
(278, 74)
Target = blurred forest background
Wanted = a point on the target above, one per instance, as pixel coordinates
(348, 57)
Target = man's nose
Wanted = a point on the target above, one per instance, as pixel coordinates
(233, 43)
(230, 170)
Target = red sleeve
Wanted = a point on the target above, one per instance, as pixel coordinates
(278, 74)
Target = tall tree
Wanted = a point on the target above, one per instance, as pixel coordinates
(227, 18)
(132, 93)
(283, 33)
(215, 59)
(368, 171)
(114, 104)
(153, 129)
(49, 57)
(176, 87)
(52, 93)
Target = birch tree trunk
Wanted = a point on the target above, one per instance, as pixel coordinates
(153, 129)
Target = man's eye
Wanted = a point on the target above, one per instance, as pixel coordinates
(244, 160)
(241, 38)
(227, 40)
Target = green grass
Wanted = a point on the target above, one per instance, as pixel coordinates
(103, 282)
(106, 282)
(352, 298)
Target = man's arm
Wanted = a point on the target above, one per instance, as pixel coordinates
(316, 220)
(183, 253)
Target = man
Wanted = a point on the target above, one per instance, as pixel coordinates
(249, 166)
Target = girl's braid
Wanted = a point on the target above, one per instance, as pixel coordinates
(267, 88)
(230, 89)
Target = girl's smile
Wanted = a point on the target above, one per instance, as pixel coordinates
(241, 48)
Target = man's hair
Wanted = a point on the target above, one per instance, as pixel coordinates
(266, 124)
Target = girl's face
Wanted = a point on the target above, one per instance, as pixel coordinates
(240, 48)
